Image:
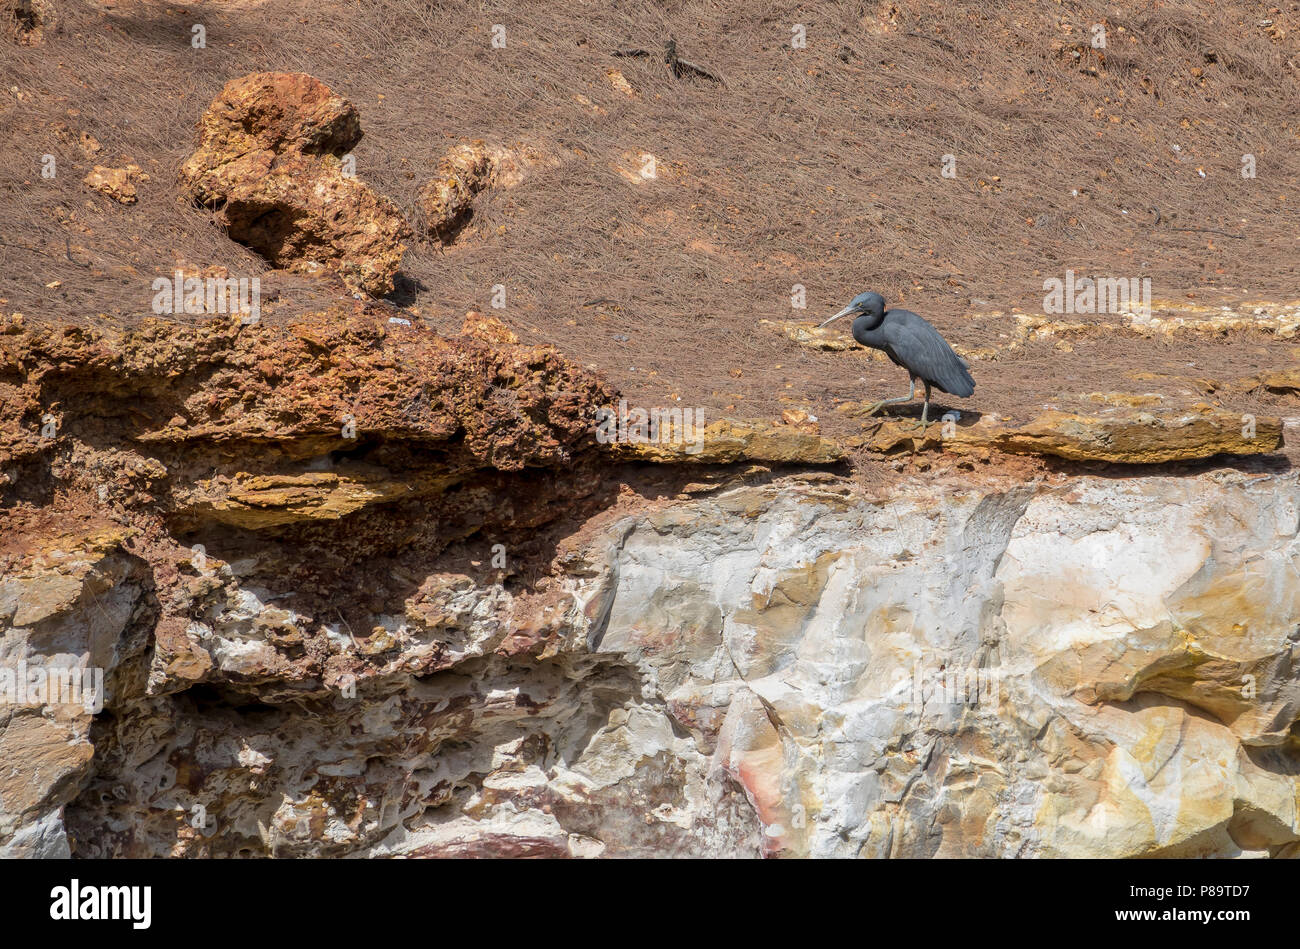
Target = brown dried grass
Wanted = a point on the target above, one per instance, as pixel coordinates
(803, 168)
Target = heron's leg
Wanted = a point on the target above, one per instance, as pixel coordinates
(925, 406)
(911, 393)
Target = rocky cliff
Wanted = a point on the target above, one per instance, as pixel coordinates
(358, 589)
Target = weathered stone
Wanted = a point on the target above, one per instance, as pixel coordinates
(271, 159)
(487, 329)
(1286, 382)
(258, 501)
(447, 199)
(811, 336)
(789, 669)
(731, 440)
(112, 182)
(1123, 437)
(664, 664)
(218, 383)
(35, 19)
(801, 419)
(65, 612)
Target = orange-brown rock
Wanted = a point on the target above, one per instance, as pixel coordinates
(265, 405)
(801, 419)
(1284, 382)
(271, 159)
(487, 329)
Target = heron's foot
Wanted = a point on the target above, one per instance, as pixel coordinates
(882, 403)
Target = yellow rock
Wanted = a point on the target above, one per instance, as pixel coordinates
(1129, 399)
(1286, 382)
(467, 169)
(1144, 438)
(731, 440)
(1120, 438)
(113, 182)
(268, 500)
(801, 419)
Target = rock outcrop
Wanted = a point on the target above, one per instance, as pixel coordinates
(1117, 436)
(69, 606)
(1172, 319)
(115, 183)
(313, 417)
(33, 20)
(792, 668)
(271, 160)
(728, 441)
(447, 200)
(345, 588)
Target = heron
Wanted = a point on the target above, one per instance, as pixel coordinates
(910, 342)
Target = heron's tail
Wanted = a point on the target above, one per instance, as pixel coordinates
(960, 381)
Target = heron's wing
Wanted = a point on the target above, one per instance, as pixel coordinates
(925, 353)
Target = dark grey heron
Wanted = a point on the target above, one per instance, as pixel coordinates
(910, 342)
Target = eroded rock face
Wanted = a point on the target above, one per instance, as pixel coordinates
(70, 615)
(463, 628)
(1100, 668)
(276, 398)
(1128, 644)
(270, 157)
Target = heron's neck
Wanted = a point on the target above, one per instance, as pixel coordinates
(868, 322)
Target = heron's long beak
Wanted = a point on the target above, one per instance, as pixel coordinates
(844, 312)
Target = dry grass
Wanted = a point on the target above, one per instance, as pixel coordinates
(818, 166)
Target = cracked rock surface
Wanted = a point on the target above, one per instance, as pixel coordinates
(466, 628)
